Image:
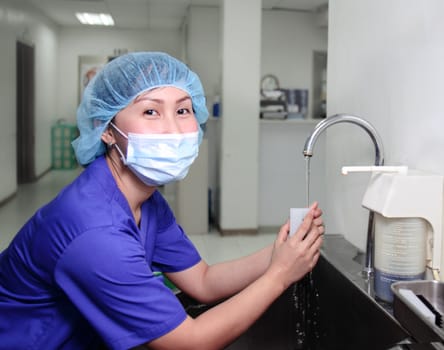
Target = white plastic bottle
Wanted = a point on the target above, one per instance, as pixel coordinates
(400, 252)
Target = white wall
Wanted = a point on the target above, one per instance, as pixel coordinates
(203, 57)
(240, 47)
(46, 96)
(282, 170)
(18, 22)
(203, 48)
(8, 170)
(385, 64)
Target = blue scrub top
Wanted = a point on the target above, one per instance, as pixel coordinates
(81, 271)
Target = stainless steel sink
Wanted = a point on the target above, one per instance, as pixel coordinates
(349, 317)
(421, 328)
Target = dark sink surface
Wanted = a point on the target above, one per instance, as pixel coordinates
(349, 317)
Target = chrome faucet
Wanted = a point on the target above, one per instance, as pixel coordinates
(379, 160)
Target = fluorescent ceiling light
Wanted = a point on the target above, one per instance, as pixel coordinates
(97, 19)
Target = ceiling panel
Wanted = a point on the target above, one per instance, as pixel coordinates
(63, 12)
(167, 14)
(129, 14)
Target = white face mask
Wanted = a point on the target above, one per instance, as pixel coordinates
(158, 159)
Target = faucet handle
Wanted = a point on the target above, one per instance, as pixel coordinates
(402, 169)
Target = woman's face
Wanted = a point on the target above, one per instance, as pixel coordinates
(163, 110)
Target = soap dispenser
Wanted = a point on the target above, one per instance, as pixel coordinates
(407, 206)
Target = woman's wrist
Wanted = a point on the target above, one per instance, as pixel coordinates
(275, 276)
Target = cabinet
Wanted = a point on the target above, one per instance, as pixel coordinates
(191, 199)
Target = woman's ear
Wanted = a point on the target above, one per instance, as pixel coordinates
(108, 137)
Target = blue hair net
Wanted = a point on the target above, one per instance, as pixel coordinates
(121, 81)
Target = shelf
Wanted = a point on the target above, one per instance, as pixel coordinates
(291, 121)
(310, 121)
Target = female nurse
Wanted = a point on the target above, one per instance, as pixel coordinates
(80, 273)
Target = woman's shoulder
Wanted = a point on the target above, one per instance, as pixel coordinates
(89, 201)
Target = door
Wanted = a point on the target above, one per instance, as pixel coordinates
(25, 114)
(319, 84)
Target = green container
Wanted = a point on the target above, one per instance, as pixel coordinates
(166, 281)
(63, 156)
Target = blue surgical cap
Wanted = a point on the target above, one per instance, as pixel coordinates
(120, 82)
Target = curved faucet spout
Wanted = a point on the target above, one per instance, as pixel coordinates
(379, 160)
(346, 118)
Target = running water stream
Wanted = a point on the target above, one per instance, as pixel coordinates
(307, 181)
(306, 297)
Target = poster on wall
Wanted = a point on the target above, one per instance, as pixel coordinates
(89, 66)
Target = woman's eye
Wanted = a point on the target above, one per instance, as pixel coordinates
(150, 112)
(183, 111)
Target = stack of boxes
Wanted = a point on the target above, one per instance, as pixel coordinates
(63, 156)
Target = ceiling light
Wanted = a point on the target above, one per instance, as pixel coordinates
(97, 19)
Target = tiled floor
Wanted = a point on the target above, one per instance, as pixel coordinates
(212, 247)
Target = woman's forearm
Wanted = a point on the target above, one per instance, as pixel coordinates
(213, 283)
(222, 324)
(233, 317)
(227, 278)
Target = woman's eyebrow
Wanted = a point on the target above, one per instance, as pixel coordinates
(147, 98)
(157, 100)
(185, 98)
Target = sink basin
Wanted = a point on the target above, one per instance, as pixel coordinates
(422, 329)
(349, 318)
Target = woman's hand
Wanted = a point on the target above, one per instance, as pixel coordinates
(294, 256)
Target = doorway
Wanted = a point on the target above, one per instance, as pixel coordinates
(25, 114)
(319, 84)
